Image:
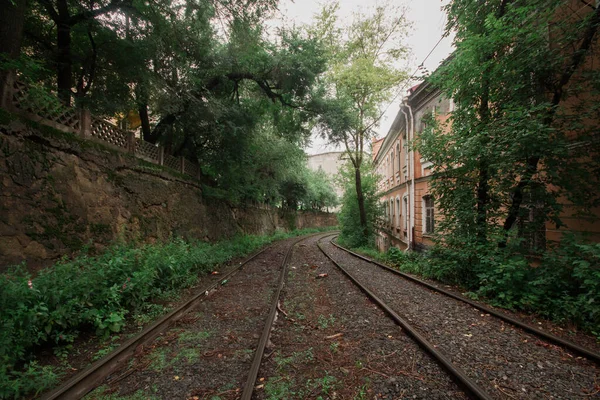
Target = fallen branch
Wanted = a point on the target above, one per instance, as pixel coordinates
(376, 372)
(337, 335)
(284, 313)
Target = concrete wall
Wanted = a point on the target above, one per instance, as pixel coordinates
(59, 193)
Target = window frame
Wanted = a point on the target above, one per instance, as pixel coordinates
(428, 215)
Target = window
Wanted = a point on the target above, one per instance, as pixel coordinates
(398, 211)
(531, 224)
(405, 212)
(398, 155)
(392, 214)
(428, 215)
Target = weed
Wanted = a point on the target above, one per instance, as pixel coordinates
(112, 344)
(61, 352)
(189, 354)
(32, 379)
(101, 394)
(299, 316)
(159, 359)
(98, 292)
(334, 347)
(362, 392)
(149, 312)
(322, 385)
(296, 358)
(325, 322)
(278, 389)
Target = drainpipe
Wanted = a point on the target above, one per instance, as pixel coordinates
(411, 199)
(406, 160)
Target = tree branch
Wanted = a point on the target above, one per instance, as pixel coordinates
(47, 4)
(86, 15)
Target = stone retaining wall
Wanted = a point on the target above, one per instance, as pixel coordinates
(59, 193)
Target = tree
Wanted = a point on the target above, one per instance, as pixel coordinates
(521, 144)
(12, 18)
(67, 15)
(352, 234)
(218, 86)
(362, 75)
(320, 192)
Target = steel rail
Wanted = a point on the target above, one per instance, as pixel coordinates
(86, 380)
(262, 343)
(587, 353)
(473, 388)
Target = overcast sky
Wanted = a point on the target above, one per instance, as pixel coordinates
(428, 21)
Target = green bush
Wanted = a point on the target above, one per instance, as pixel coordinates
(564, 286)
(567, 284)
(96, 293)
(352, 233)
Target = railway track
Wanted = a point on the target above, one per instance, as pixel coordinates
(476, 387)
(95, 374)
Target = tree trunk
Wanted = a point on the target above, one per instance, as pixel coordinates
(63, 62)
(12, 18)
(482, 201)
(576, 61)
(361, 202)
(146, 131)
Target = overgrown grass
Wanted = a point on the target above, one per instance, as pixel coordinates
(564, 287)
(97, 293)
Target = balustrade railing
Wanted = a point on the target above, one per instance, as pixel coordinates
(47, 111)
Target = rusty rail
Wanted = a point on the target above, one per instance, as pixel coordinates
(589, 354)
(471, 386)
(262, 343)
(85, 381)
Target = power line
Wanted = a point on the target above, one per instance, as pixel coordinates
(407, 82)
(575, 12)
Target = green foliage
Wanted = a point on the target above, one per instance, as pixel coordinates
(308, 189)
(325, 322)
(362, 75)
(97, 292)
(352, 234)
(320, 192)
(217, 86)
(31, 378)
(519, 149)
(505, 164)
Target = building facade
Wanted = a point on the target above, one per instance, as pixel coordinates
(331, 163)
(410, 215)
(409, 218)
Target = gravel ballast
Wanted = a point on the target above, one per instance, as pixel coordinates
(502, 359)
(330, 341)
